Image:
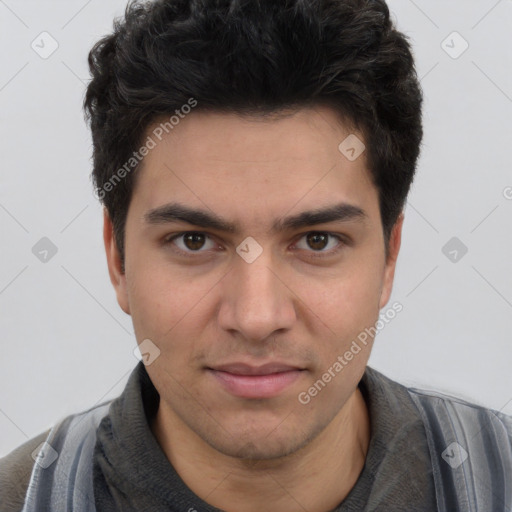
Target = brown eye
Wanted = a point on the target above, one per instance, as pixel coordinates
(193, 241)
(317, 241)
(321, 244)
(190, 242)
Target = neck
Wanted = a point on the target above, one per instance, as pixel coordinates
(317, 478)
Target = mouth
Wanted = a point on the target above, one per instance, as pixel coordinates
(246, 381)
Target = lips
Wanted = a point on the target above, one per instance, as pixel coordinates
(245, 369)
(247, 381)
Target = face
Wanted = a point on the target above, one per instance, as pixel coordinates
(250, 311)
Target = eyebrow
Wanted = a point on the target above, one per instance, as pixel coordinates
(176, 212)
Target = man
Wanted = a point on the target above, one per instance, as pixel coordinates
(254, 158)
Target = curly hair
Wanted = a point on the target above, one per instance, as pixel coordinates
(255, 57)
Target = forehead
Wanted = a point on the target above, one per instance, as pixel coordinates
(303, 134)
(253, 165)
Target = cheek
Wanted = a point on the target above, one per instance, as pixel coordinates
(346, 301)
(166, 302)
(154, 299)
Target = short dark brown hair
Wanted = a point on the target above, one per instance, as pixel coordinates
(254, 57)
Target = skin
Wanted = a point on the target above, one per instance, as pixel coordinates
(213, 307)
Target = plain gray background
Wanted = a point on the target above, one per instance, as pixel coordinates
(66, 345)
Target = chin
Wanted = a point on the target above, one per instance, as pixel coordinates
(257, 450)
(263, 445)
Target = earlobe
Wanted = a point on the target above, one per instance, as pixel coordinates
(117, 276)
(395, 241)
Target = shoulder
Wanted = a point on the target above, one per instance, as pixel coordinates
(446, 414)
(470, 445)
(15, 471)
(471, 449)
(435, 403)
(69, 434)
(471, 439)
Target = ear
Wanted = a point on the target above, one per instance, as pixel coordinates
(395, 240)
(117, 277)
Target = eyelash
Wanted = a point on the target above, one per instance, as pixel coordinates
(313, 255)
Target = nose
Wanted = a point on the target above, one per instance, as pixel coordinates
(256, 301)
